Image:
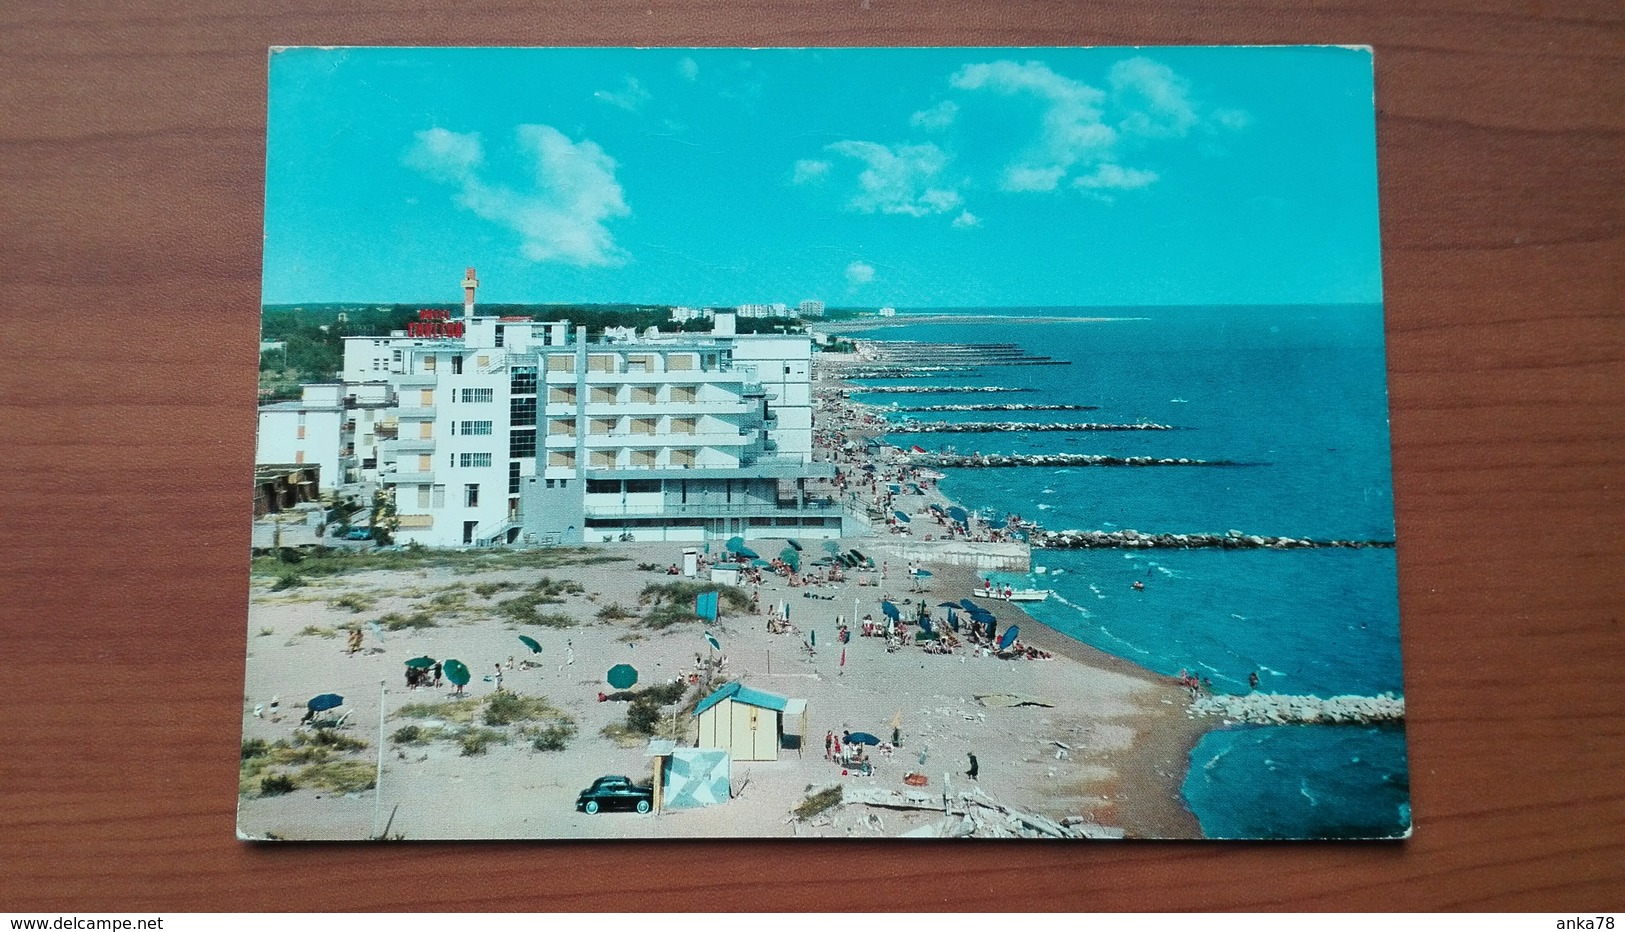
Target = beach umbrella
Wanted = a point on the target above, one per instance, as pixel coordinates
(531, 643)
(748, 553)
(420, 663)
(1009, 637)
(970, 606)
(903, 518)
(759, 562)
(711, 639)
(923, 574)
(791, 558)
(324, 702)
(948, 605)
(622, 676)
(925, 625)
(953, 620)
(832, 548)
(456, 671)
(959, 514)
(736, 543)
(861, 737)
(890, 610)
(793, 544)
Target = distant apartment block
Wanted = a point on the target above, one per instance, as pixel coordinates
(492, 430)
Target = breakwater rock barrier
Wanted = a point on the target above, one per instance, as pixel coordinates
(993, 427)
(941, 389)
(1230, 540)
(1014, 406)
(1273, 709)
(1000, 461)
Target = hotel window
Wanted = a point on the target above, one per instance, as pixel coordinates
(640, 363)
(684, 425)
(513, 478)
(522, 412)
(473, 460)
(522, 381)
(439, 499)
(560, 427)
(642, 485)
(604, 396)
(603, 487)
(680, 362)
(561, 362)
(561, 458)
(425, 464)
(603, 425)
(501, 333)
(561, 396)
(471, 495)
(603, 459)
(482, 361)
(682, 458)
(423, 496)
(643, 459)
(644, 395)
(684, 394)
(426, 398)
(643, 425)
(521, 444)
(456, 365)
(428, 364)
(475, 428)
(601, 362)
(426, 430)
(475, 395)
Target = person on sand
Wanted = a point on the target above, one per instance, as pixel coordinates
(974, 769)
(499, 677)
(829, 740)
(437, 675)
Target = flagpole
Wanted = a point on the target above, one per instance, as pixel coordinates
(378, 775)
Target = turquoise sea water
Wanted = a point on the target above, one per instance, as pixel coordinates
(1297, 397)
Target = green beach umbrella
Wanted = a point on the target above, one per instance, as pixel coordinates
(622, 676)
(457, 672)
(711, 639)
(420, 663)
(792, 558)
(530, 642)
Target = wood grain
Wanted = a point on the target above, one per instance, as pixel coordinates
(131, 160)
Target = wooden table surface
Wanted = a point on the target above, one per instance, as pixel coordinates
(131, 160)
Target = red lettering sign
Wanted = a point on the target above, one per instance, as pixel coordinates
(435, 329)
(427, 314)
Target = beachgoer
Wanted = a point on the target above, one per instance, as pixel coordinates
(1252, 680)
(973, 767)
(499, 677)
(1138, 586)
(829, 741)
(437, 674)
(896, 737)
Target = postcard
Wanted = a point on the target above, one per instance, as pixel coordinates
(822, 443)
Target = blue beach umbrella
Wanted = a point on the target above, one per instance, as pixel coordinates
(735, 543)
(861, 737)
(711, 639)
(748, 553)
(324, 702)
(958, 514)
(530, 642)
(948, 605)
(903, 518)
(1008, 638)
(923, 574)
(890, 610)
(969, 606)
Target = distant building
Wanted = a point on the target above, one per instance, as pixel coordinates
(811, 308)
(682, 315)
(507, 431)
(888, 312)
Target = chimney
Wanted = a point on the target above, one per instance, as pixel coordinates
(469, 284)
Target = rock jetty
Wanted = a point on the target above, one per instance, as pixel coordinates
(1272, 709)
(999, 461)
(1017, 406)
(941, 389)
(1230, 540)
(991, 427)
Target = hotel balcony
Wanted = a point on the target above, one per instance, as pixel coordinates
(409, 445)
(702, 510)
(416, 380)
(415, 414)
(407, 478)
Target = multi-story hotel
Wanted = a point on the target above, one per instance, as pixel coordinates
(512, 431)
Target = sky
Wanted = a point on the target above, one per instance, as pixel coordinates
(962, 177)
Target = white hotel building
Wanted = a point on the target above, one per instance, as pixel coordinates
(511, 431)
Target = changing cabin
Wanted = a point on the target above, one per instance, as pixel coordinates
(751, 724)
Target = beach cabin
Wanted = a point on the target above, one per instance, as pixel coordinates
(751, 724)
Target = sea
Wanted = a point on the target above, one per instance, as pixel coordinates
(1296, 398)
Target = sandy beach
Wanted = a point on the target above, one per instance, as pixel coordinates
(1096, 740)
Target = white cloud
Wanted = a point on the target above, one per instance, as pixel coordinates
(898, 181)
(809, 170)
(1114, 177)
(632, 95)
(1157, 101)
(561, 214)
(860, 273)
(1085, 131)
(966, 220)
(688, 68)
(935, 118)
(444, 154)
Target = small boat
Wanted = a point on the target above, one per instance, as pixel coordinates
(1027, 595)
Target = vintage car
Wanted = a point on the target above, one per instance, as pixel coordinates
(612, 792)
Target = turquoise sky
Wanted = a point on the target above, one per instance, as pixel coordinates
(909, 177)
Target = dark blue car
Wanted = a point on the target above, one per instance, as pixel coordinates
(615, 793)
